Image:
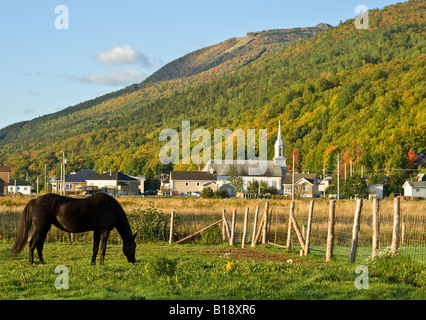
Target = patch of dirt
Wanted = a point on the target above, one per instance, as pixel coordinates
(245, 254)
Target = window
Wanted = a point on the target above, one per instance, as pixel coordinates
(186, 184)
(306, 187)
(198, 184)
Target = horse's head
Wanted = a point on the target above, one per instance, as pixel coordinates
(129, 248)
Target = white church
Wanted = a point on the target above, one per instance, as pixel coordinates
(272, 175)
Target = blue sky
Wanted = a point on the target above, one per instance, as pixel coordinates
(111, 44)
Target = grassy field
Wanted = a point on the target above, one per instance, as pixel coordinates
(199, 270)
(190, 272)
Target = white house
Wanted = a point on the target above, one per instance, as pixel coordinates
(19, 186)
(415, 189)
(375, 191)
(272, 173)
(324, 184)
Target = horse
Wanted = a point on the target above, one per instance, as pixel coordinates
(99, 213)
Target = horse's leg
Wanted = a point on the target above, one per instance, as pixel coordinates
(104, 239)
(96, 239)
(37, 241)
(31, 247)
(40, 242)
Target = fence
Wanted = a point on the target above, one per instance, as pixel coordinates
(245, 223)
(354, 230)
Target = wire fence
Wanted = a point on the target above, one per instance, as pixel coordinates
(412, 228)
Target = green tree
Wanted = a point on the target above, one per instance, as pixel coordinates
(235, 180)
(253, 186)
(355, 186)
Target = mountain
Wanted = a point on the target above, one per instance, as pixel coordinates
(234, 53)
(341, 91)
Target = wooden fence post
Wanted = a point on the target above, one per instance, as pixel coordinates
(396, 223)
(403, 234)
(172, 230)
(259, 231)
(297, 229)
(308, 231)
(376, 227)
(289, 231)
(330, 235)
(355, 231)
(265, 225)
(225, 226)
(255, 224)
(232, 238)
(243, 244)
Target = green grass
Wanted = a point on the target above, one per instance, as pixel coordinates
(188, 272)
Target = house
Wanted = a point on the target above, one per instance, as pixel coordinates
(75, 181)
(415, 189)
(165, 186)
(375, 191)
(305, 185)
(185, 182)
(230, 189)
(324, 184)
(114, 183)
(141, 183)
(4, 179)
(21, 186)
(272, 173)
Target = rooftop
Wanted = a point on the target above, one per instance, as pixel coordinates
(192, 175)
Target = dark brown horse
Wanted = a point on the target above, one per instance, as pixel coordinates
(99, 213)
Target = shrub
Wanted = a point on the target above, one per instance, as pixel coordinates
(150, 223)
(207, 193)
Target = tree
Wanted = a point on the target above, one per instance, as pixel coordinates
(411, 158)
(253, 186)
(235, 180)
(297, 159)
(355, 186)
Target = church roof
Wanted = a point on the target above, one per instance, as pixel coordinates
(244, 169)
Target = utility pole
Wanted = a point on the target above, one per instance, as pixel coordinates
(292, 184)
(338, 178)
(46, 187)
(59, 185)
(64, 161)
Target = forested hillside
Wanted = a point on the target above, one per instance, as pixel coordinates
(356, 93)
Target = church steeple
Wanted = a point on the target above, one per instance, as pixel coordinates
(279, 158)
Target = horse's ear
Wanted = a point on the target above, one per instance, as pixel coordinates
(134, 236)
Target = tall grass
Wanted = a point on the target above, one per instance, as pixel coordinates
(192, 214)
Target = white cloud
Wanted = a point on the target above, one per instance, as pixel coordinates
(123, 55)
(113, 78)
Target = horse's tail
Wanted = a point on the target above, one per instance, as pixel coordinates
(23, 231)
